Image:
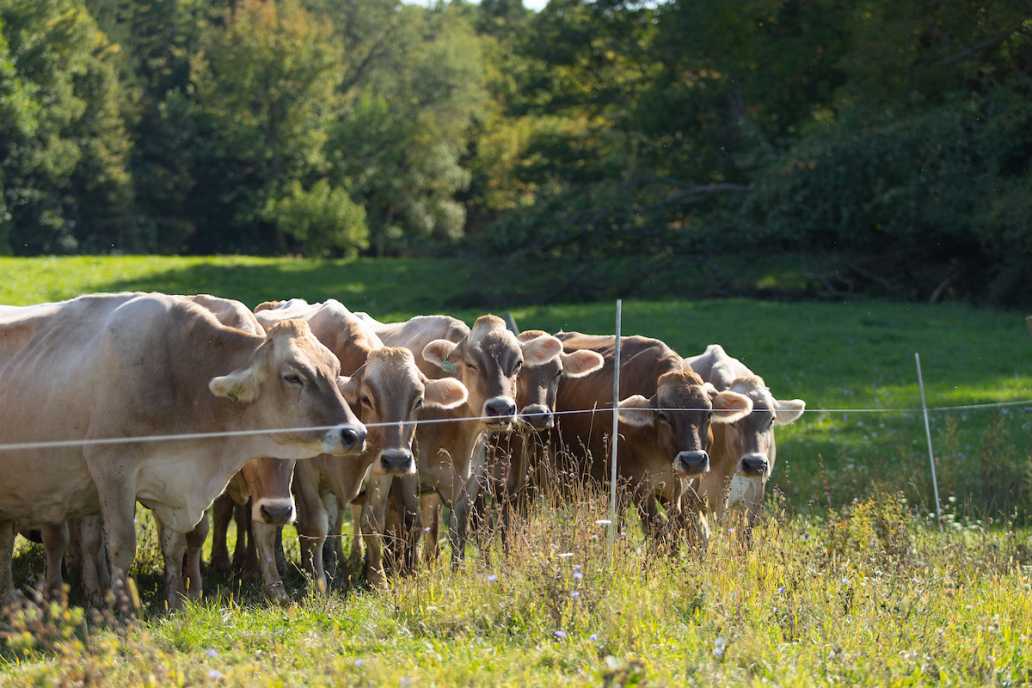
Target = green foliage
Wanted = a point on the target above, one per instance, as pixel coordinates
(63, 144)
(323, 220)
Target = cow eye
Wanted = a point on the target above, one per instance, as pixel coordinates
(366, 401)
(663, 417)
(293, 379)
(518, 368)
(418, 404)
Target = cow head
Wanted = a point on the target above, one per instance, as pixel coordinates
(678, 416)
(388, 392)
(749, 441)
(293, 381)
(268, 486)
(487, 361)
(538, 383)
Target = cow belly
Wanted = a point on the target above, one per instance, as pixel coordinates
(45, 488)
(179, 486)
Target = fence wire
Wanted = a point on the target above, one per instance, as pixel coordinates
(601, 408)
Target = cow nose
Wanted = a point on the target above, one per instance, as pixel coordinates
(692, 462)
(500, 408)
(276, 513)
(353, 437)
(754, 464)
(538, 416)
(397, 461)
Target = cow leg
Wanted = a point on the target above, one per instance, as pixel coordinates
(459, 521)
(221, 515)
(192, 565)
(7, 532)
(173, 548)
(429, 516)
(332, 552)
(374, 516)
(356, 557)
(96, 578)
(313, 524)
(265, 538)
(281, 555)
(414, 523)
(118, 506)
(55, 541)
(243, 550)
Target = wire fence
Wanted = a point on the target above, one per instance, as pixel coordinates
(601, 408)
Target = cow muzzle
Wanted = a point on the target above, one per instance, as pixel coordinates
(397, 462)
(500, 412)
(345, 439)
(689, 464)
(537, 416)
(754, 465)
(274, 511)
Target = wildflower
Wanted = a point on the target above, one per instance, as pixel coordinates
(359, 663)
(559, 635)
(211, 652)
(719, 647)
(491, 578)
(781, 590)
(575, 594)
(565, 555)
(577, 575)
(214, 674)
(603, 522)
(593, 638)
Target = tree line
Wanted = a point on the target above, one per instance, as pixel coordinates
(899, 132)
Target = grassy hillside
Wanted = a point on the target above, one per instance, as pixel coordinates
(831, 591)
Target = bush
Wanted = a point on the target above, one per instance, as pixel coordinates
(323, 220)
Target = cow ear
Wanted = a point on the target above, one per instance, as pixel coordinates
(730, 406)
(447, 393)
(581, 363)
(637, 412)
(437, 352)
(540, 350)
(241, 386)
(350, 388)
(788, 411)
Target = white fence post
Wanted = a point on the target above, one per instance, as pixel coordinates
(928, 434)
(614, 437)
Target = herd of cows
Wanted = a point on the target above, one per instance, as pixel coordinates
(391, 420)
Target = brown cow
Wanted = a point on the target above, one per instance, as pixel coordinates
(665, 414)
(514, 456)
(487, 359)
(388, 390)
(744, 451)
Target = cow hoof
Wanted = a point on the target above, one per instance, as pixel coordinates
(277, 594)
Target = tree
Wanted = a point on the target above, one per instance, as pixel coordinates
(63, 143)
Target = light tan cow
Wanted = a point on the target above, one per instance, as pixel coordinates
(744, 452)
(152, 365)
(388, 391)
(451, 460)
(666, 411)
(265, 481)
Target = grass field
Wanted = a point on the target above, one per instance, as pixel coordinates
(830, 592)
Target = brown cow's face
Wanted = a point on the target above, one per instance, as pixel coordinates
(487, 362)
(389, 391)
(538, 384)
(676, 419)
(293, 382)
(268, 486)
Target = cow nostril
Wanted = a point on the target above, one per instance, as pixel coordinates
(276, 514)
(693, 461)
(500, 408)
(754, 465)
(351, 437)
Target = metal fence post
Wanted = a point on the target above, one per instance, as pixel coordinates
(614, 438)
(928, 434)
